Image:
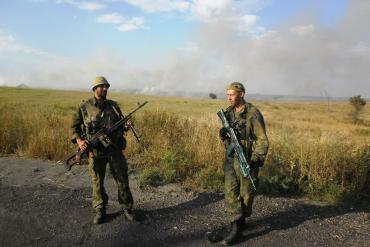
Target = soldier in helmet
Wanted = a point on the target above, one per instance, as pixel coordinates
(249, 126)
(92, 115)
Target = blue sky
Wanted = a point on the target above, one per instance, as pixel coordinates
(154, 42)
(68, 29)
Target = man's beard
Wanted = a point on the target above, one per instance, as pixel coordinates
(237, 102)
(103, 96)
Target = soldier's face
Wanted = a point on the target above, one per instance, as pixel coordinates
(101, 92)
(235, 98)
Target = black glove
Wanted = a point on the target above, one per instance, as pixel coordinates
(224, 134)
(256, 161)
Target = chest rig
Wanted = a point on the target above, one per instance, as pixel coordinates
(241, 123)
(100, 116)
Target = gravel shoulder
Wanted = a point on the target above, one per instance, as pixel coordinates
(44, 205)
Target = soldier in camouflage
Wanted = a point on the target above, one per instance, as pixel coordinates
(96, 113)
(249, 127)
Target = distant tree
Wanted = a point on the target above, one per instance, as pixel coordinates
(213, 96)
(358, 104)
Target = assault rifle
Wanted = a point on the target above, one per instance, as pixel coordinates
(235, 146)
(101, 136)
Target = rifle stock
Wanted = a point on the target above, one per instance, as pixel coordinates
(74, 160)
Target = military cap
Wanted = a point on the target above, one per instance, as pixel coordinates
(100, 80)
(237, 86)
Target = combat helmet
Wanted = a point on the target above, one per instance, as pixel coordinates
(100, 80)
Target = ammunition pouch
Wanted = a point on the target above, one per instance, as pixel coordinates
(259, 162)
(223, 134)
(105, 141)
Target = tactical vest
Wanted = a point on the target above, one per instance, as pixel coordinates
(242, 127)
(96, 118)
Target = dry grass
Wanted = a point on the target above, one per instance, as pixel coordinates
(315, 151)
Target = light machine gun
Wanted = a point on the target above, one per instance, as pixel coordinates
(235, 146)
(101, 137)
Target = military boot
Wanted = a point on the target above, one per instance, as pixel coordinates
(242, 223)
(234, 233)
(100, 217)
(128, 214)
(214, 236)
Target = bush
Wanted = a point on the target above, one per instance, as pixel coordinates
(358, 104)
(150, 177)
(213, 96)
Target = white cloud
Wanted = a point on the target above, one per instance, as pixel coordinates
(6, 42)
(90, 5)
(160, 5)
(236, 13)
(220, 10)
(112, 18)
(9, 44)
(225, 12)
(233, 14)
(247, 22)
(228, 14)
(206, 9)
(202, 9)
(85, 5)
(180, 5)
(189, 48)
(11, 47)
(122, 24)
(132, 24)
(303, 30)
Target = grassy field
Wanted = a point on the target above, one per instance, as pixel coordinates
(316, 150)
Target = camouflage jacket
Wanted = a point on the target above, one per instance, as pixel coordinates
(91, 116)
(250, 129)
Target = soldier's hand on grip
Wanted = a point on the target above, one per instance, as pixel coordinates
(82, 144)
(224, 134)
(128, 125)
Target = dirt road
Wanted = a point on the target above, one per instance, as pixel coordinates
(43, 205)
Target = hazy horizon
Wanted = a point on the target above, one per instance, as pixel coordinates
(204, 95)
(286, 47)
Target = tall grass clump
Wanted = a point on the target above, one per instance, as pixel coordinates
(327, 167)
(51, 140)
(175, 149)
(41, 133)
(14, 131)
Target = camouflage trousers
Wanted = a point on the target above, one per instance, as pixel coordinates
(239, 192)
(119, 171)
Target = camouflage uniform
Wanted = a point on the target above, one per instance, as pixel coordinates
(87, 120)
(250, 130)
